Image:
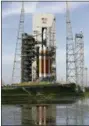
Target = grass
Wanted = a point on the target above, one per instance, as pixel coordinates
(33, 83)
(86, 94)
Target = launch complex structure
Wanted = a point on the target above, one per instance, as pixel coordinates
(38, 51)
(35, 54)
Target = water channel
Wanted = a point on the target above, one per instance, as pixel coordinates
(47, 114)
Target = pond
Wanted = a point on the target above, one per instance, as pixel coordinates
(47, 114)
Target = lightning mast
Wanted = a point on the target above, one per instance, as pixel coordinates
(16, 73)
(70, 60)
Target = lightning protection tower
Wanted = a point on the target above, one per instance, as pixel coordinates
(16, 73)
(70, 60)
(79, 58)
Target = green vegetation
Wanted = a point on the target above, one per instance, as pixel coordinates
(41, 93)
(32, 99)
(86, 94)
(43, 89)
(32, 83)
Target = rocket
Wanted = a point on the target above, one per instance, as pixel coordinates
(44, 62)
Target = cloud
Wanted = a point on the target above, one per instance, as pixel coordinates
(43, 7)
(15, 8)
(59, 7)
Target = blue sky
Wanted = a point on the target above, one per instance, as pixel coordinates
(10, 19)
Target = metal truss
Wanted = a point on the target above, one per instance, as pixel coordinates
(70, 60)
(79, 59)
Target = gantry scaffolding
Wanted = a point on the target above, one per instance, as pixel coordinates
(28, 53)
(79, 58)
(70, 60)
(53, 47)
(24, 54)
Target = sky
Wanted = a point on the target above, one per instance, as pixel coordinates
(79, 15)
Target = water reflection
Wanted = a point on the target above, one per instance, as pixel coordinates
(45, 114)
(39, 114)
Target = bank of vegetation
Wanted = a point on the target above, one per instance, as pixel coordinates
(86, 94)
(43, 93)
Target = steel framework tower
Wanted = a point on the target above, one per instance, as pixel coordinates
(16, 73)
(79, 58)
(70, 60)
(28, 54)
(52, 47)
